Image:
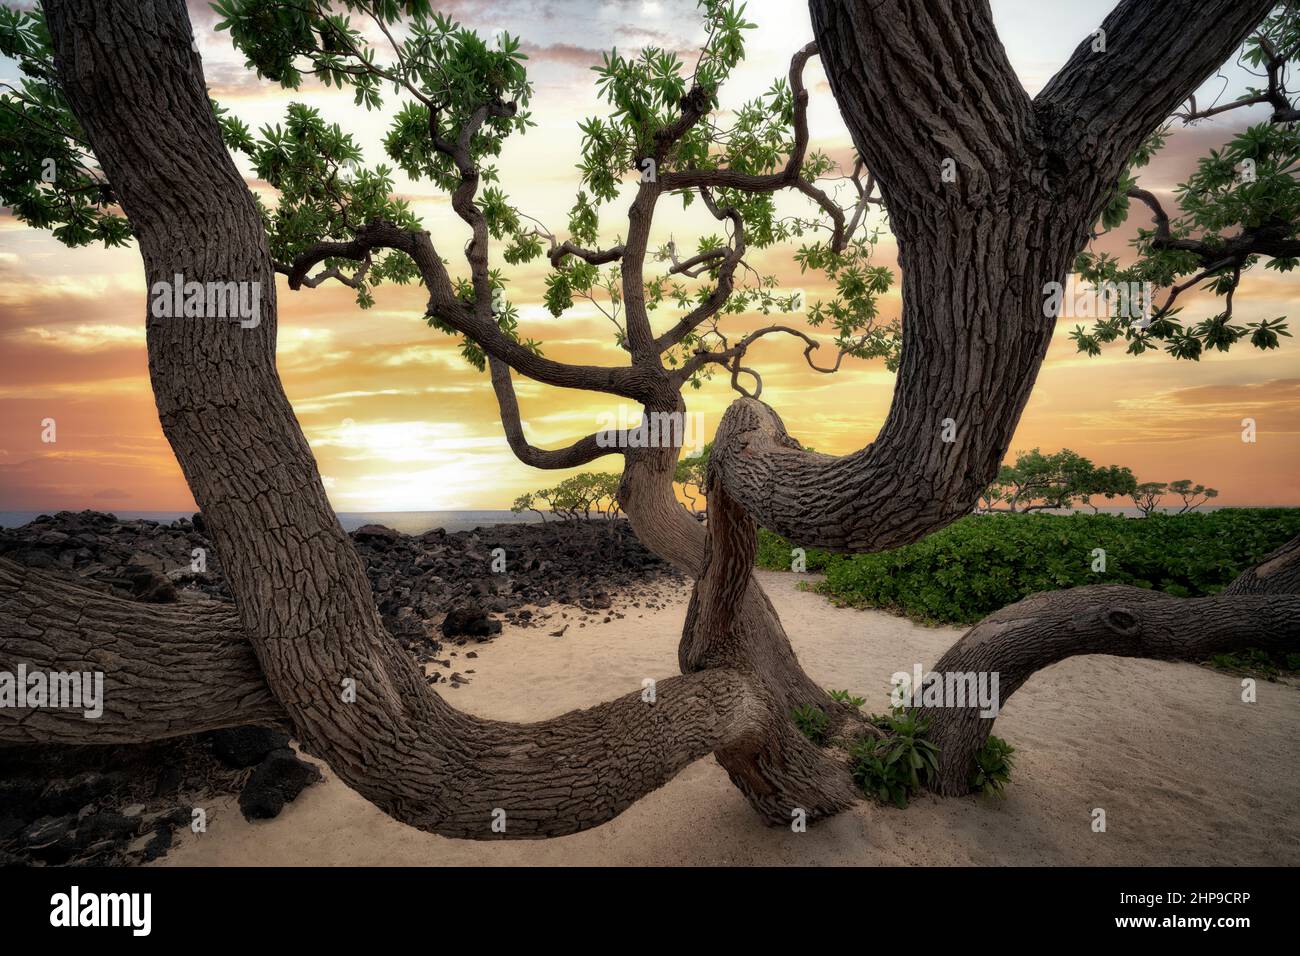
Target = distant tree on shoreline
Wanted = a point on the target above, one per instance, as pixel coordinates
(1043, 482)
(1146, 496)
(1189, 492)
(1039, 482)
(1109, 481)
(575, 498)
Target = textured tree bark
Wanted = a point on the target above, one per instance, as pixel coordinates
(1278, 573)
(779, 771)
(168, 669)
(187, 668)
(974, 257)
(976, 249)
(1258, 609)
(302, 596)
(1020, 640)
(730, 623)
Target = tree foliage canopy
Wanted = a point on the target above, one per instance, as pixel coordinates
(48, 175)
(1239, 208)
(456, 98)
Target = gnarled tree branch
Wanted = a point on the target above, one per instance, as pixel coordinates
(579, 453)
(1141, 72)
(464, 318)
(1043, 629)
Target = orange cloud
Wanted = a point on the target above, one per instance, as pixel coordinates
(396, 418)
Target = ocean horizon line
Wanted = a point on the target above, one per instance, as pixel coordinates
(407, 522)
(461, 519)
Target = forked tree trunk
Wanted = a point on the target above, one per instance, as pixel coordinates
(991, 195)
(778, 771)
(302, 596)
(974, 253)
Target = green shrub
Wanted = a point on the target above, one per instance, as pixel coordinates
(893, 768)
(984, 562)
(993, 765)
(812, 722)
(774, 553)
(875, 775)
(844, 697)
(1269, 665)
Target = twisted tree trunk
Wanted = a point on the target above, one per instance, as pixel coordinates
(1043, 629)
(303, 601)
(990, 196)
(975, 254)
(779, 771)
(352, 696)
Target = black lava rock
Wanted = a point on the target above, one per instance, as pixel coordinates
(19, 798)
(277, 780)
(11, 825)
(170, 778)
(51, 832)
(241, 747)
(159, 845)
(469, 621)
(62, 796)
(376, 534)
(106, 827)
(153, 587)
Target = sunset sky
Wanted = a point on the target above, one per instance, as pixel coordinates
(399, 422)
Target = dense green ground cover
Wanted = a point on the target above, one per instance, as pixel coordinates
(983, 562)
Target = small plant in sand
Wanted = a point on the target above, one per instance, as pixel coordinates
(844, 697)
(892, 768)
(993, 763)
(812, 722)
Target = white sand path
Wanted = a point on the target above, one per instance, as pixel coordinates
(1186, 772)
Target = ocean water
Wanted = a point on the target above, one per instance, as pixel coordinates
(408, 522)
(418, 522)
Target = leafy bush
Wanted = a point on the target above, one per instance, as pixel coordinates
(812, 722)
(774, 553)
(844, 697)
(984, 562)
(1260, 663)
(893, 768)
(875, 775)
(993, 765)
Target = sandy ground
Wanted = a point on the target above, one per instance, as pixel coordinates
(1186, 772)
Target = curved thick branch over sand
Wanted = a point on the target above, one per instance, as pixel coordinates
(1259, 609)
(974, 338)
(169, 669)
(186, 668)
(1020, 640)
(303, 601)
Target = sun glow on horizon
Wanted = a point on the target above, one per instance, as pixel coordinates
(399, 422)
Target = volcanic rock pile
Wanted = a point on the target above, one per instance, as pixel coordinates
(117, 804)
(429, 585)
